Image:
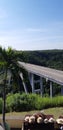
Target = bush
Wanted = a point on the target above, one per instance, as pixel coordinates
(57, 101)
(27, 102)
(10, 102)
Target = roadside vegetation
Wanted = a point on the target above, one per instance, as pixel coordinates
(27, 102)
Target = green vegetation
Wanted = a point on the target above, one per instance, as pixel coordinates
(49, 58)
(26, 102)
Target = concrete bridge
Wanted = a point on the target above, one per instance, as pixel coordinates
(49, 74)
(52, 75)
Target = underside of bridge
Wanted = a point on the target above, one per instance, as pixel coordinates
(39, 81)
(51, 75)
(36, 76)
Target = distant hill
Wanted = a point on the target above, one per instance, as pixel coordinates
(47, 58)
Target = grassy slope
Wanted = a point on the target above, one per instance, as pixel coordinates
(56, 111)
(15, 119)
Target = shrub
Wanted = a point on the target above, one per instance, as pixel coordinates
(27, 102)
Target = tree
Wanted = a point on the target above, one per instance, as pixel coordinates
(8, 62)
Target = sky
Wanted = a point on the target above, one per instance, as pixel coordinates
(31, 24)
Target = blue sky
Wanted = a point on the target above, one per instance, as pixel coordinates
(31, 24)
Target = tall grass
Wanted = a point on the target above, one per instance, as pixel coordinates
(57, 101)
(27, 102)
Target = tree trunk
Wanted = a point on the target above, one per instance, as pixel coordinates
(4, 98)
(4, 105)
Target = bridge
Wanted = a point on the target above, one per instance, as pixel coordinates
(52, 75)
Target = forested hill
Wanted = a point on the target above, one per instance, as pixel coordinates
(48, 58)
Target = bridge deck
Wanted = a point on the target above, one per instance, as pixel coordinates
(51, 74)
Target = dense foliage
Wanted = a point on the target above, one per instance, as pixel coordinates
(49, 58)
(26, 102)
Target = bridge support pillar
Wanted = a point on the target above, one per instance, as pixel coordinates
(62, 90)
(33, 82)
(31, 78)
(51, 89)
(41, 86)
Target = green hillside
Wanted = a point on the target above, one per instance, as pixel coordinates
(49, 58)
